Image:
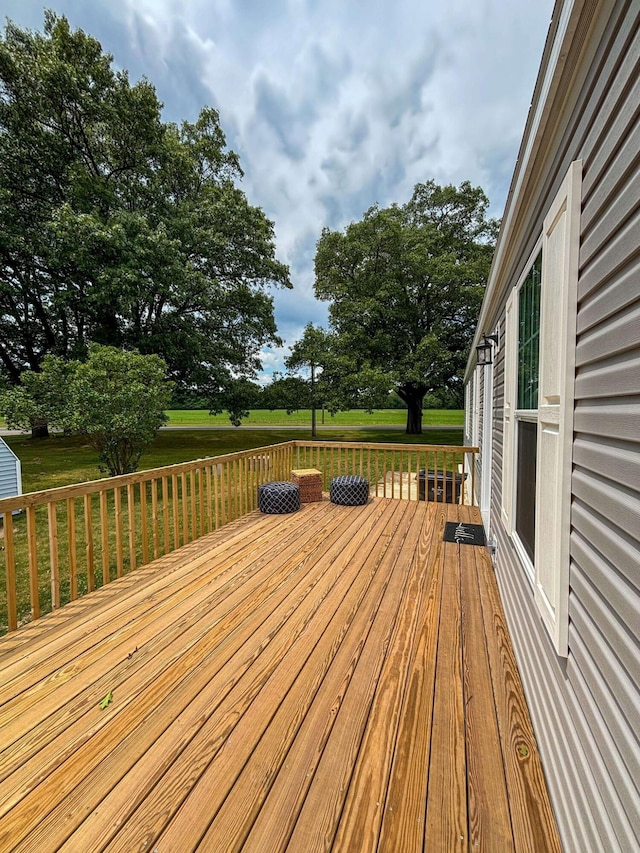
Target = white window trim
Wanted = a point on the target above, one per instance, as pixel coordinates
(560, 244)
(475, 412)
(486, 451)
(558, 317)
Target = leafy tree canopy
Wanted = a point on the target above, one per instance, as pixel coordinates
(116, 399)
(290, 393)
(405, 286)
(119, 228)
(237, 396)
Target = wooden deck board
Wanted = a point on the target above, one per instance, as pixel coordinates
(338, 679)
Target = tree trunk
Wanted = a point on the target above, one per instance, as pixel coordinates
(414, 417)
(39, 428)
(413, 395)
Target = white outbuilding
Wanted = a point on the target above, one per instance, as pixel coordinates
(10, 472)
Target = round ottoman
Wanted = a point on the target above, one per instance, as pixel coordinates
(278, 498)
(349, 490)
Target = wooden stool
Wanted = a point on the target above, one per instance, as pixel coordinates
(309, 481)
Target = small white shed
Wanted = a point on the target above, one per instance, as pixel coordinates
(10, 472)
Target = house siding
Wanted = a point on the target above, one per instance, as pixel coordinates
(586, 708)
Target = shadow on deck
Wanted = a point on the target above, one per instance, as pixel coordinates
(336, 679)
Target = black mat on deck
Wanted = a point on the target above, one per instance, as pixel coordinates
(464, 534)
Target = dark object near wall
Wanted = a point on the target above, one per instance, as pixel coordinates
(464, 534)
(439, 486)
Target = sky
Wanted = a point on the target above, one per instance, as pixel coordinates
(332, 105)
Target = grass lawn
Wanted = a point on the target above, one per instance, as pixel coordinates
(59, 461)
(355, 417)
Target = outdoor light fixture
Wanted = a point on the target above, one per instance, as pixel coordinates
(485, 350)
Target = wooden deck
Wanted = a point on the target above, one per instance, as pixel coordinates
(336, 679)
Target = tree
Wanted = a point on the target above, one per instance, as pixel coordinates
(115, 399)
(290, 393)
(237, 396)
(41, 398)
(405, 286)
(118, 228)
(118, 400)
(309, 354)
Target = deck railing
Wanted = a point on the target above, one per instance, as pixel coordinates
(61, 543)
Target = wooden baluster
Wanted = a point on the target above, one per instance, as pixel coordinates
(208, 501)
(185, 508)
(88, 538)
(52, 520)
(473, 479)
(154, 519)
(247, 484)
(144, 523)
(33, 562)
(104, 531)
(117, 503)
(201, 488)
(216, 496)
(174, 502)
(131, 517)
(73, 560)
(165, 515)
(223, 492)
(194, 514)
(257, 463)
(10, 572)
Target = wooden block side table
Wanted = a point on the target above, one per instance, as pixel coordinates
(309, 481)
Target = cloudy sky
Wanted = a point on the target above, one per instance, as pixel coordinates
(333, 105)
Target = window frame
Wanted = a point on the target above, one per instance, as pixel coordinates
(560, 246)
(518, 415)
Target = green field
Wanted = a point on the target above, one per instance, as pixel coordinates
(60, 461)
(354, 417)
(279, 417)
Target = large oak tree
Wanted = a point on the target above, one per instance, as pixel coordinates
(405, 286)
(119, 228)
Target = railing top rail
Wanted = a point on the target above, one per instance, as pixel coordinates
(92, 487)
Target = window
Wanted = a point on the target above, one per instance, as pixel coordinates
(529, 337)
(540, 335)
(527, 406)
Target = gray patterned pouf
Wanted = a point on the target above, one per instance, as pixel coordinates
(278, 498)
(349, 490)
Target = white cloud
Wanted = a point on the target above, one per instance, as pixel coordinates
(334, 106)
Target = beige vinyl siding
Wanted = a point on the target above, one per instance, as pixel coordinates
(586, 709)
